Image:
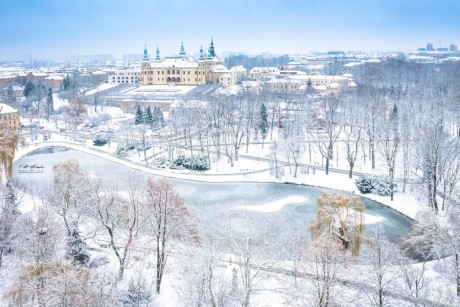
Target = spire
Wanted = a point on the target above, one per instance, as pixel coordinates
(210, 57)
(146, 54)
(201, 54)
(211, 48)
(157, 54)
(182, 50)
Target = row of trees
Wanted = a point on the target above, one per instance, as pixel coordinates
(408, 125)
(58, 249)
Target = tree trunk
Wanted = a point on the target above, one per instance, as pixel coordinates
(350, 172)
(327, 166)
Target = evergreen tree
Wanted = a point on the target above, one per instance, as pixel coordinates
(139, 116)
(263, 122)
(49, 104)
(28, 89)
(10, 95)
(66, 82)
(148, 117)
(310, 89)
(158, 118)
(137, 294)
(76, 248)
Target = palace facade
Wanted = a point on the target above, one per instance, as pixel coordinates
(182, 69)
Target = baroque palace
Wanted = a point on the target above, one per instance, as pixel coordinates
(181, 69)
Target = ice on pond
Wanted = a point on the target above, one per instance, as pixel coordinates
(273, 206)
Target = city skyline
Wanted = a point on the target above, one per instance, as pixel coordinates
(50, 29)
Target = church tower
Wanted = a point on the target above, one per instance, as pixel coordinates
(157, 54)
(211, 52)
(146, 54)
(182, 50)
(145, 68)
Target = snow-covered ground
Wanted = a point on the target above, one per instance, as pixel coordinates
(251, 166)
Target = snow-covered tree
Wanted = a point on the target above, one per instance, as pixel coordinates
(341, 217)
(379, 255)
(439, 235)
(167, 220)
(389, 141)
(49, 104)
(319, 272)
(148, 117)
(69, 193)
(138, 116)
(263, 122)
(328, 129)
(137, 294)
(77, 251)
(9, 141)
(119, 217)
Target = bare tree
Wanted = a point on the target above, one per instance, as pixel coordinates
(38, 240)
(11, 196)
(69, 193)
(119, 216)
(168, 220)
(389, 141)
(64, 285)
(439, 235)
(76, 111)
(9, 141)
(325, 259)
(328, 129)
(379, 255)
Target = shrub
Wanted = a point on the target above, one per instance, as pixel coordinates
(99, 141)
(373, 184)
(195, 163)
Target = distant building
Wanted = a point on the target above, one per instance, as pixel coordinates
(10, 115)
(263, 72)
(124, 76)
(181, 69)
(284, 86)
(453, 47)
(429, 47)
(6, 81)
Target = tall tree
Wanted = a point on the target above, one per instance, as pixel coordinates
(120, 218)
(49, 104)
(263, 122)
(9, 141)
(77, 251)
(138, 116)
(379, 255)
(77, 111)
(28, 89)
(329, 128)
(389, 141)
(148, 117)
(439, 236)
(66, 82)
(168, 219)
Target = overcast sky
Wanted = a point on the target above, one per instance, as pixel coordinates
(56, 29)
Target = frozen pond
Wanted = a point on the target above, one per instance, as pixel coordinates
(290, 208)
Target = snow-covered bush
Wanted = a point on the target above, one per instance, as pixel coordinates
(382, 186)
(137, 294)
(373, 184)
(99, 140)
(196, 163)
(162, 162)
(77, 251)
(364, 184)
(123, 149)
